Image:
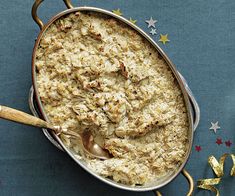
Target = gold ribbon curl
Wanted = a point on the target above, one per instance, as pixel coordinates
(218, 169)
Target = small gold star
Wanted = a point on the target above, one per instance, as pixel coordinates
(133, 21)
(118, 12)
(163, 39)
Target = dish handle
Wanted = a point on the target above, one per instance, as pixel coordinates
(190, 182)
(35, 8)
(193, 101)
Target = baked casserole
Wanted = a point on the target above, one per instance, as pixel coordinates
(96, 73)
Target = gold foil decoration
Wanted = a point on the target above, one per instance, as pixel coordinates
(218, 169)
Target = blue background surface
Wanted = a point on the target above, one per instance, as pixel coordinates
(202, 45)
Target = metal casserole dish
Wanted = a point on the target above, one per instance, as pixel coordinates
(190, 103)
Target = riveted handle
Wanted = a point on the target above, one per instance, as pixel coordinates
(193, 101)
(68, 4)
(190, 182)
(35, 8)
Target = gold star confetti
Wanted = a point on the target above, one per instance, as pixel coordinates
(118, 12)
(133, 21)
(163, 39)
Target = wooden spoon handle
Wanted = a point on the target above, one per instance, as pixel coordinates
(21, 117)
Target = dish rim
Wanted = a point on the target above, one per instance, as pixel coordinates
(169, 63)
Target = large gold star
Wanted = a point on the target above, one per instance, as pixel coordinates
(133, 21)
(118, 12)
(163, 39)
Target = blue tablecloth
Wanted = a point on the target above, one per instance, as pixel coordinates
(202, 45)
